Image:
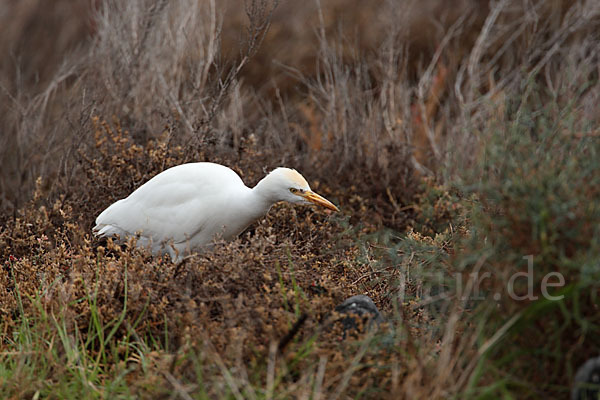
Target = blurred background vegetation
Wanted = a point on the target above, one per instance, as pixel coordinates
(459, 138)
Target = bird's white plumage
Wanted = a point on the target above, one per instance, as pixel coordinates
(187, 206)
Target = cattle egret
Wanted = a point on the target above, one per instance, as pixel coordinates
(186, 207)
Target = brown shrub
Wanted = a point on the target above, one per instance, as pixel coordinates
(230, 303)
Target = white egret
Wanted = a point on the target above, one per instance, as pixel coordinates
(186, 207)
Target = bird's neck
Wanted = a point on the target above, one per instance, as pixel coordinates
(263, 195)
(245, 208)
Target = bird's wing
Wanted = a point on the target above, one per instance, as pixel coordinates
(175, 205)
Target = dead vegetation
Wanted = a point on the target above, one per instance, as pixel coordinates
(411, 115)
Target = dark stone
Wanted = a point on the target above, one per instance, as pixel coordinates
(587, 381)
(358, 309)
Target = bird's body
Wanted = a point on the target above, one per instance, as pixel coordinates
(186, 207)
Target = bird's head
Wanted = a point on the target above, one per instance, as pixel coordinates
(287, 184)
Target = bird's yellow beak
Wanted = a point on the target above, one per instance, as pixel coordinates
(319, 200)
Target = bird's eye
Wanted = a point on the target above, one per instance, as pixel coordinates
(294, 190)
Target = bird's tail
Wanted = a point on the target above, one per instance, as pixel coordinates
(103, 230)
